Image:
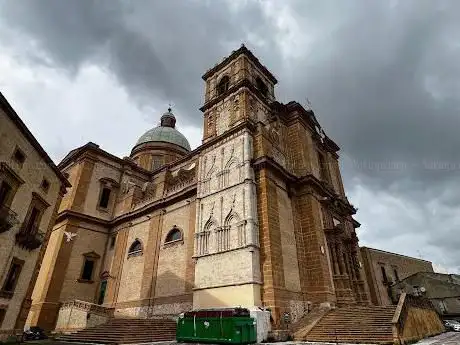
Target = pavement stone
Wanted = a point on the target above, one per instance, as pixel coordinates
(448, 338)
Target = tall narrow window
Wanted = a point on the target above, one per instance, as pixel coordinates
(112, 241)
(102, 290)
(33, 220)
(323, 172)
(5, 190)
(12, 278)
(89, 266)
(395, 271)
(10, 182)
(223, 85)
(384, 274)
(261, 86)
(105, 197)
(2, 315)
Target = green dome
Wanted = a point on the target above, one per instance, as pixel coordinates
(165, 134)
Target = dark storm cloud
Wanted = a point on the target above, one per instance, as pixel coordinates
(157, 49)
(383, 77)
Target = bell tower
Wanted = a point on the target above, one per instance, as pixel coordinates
(238, 92)
(237, 89)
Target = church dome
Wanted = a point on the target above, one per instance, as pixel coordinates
(166, 132)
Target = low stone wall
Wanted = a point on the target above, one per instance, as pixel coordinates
(76, 315)
(415, 318)
(169, 310)
(8, 334)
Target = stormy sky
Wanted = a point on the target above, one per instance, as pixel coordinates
(383, 78)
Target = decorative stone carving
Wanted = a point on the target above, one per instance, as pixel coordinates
(180, 178)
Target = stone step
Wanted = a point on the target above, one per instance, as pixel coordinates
(357, 324)
(120, 331)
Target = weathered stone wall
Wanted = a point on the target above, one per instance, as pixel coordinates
(160, 281)
(226, 243)
(133, 266)
(88, 239)
(30, 176)
(288, 241)
(415, 319)
(73, 317)
(103, 169)
(374, 259)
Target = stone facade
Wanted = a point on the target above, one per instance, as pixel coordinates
(31, 188)
(384, 269)
(256, 216)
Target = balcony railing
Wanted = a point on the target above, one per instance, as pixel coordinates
(29, 237)
(8, 218)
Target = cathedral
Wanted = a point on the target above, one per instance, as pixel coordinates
(256, 216)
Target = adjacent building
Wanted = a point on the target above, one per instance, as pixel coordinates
(256, 216)
(383, 269)
(443, 290)
(31, 189)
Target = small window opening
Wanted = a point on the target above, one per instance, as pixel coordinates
(45, 185)
(31, 223)
(105, 196)
(135, 248)
(323, 167)
(112, 242)
(19, 156)
(174, 235)
(88, 268)
(13, 276)
(5, 190)
(261, 86)
(384, 274)
(223, 85)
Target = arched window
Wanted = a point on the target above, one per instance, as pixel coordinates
(173, 235)
(135, 248)
(223, 85)
(261, 86)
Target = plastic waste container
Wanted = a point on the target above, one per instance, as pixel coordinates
(221, 326)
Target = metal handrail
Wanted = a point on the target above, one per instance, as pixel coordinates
(29, 236)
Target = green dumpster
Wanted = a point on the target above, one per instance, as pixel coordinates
(221, 326)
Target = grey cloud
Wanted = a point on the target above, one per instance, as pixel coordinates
(157, 49)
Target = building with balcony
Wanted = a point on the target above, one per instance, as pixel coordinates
(31, 188)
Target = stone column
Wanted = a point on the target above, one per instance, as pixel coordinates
(340, 259)
(334, 257)
(351, 270)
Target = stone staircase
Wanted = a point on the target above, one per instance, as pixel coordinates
(125, 331)
(353, 324)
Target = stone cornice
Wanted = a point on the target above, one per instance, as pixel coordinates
(160, 203)
(159, 145)
(234, 55)
(148, 208)
(68, 214)
(232, 89)
(309, 181)
(90, 149)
